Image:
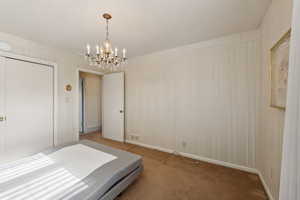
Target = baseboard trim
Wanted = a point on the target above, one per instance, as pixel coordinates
(92, 129)
(218, 162)
(196, 157)
(150, 146)
(267, 189)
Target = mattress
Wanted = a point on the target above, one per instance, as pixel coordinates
(42, 178)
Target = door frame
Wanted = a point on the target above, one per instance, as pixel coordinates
(82, 106)
(55, 85)
(77, 124)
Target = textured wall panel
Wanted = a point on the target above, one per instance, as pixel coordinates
(200, 99)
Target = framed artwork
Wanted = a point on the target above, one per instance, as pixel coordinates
(279, 71)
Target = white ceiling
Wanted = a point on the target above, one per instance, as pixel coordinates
(142, 26)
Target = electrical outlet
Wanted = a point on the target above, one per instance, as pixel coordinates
(133, 137)
(183, 144)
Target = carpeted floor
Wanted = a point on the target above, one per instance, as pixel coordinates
(170, 177)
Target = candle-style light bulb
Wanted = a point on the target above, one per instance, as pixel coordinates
(88, 49)
(116, 52)
(97, 50)
(124, 53)
(107, 46)
(101, 51)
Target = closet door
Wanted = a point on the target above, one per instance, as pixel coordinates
(29, 108)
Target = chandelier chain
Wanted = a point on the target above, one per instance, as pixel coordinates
(107, 33)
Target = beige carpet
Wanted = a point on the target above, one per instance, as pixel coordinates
(170, 177)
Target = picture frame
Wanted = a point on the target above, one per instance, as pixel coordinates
(279, 55)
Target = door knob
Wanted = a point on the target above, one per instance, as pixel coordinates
(2, 118)
(121, 111)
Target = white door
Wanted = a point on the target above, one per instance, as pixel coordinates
(113, 106)
(28, 98)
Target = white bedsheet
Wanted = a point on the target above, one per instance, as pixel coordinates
(81, 160)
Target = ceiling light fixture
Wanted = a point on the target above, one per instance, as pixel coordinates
(105, 57)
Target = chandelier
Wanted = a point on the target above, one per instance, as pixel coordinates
(104, 56)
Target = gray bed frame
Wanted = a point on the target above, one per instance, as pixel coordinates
(122, 185)
(110, 180)
(104, 183)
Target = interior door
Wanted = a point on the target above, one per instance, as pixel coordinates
(113, 106)
(28, 108)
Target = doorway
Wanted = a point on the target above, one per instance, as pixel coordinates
(108, 110)
(90, 103)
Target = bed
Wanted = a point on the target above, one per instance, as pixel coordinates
(78, 171)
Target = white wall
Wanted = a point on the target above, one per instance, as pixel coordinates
(67, 65)
(276, 23)
(92, 101)
(204, 95)
(290, 173)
